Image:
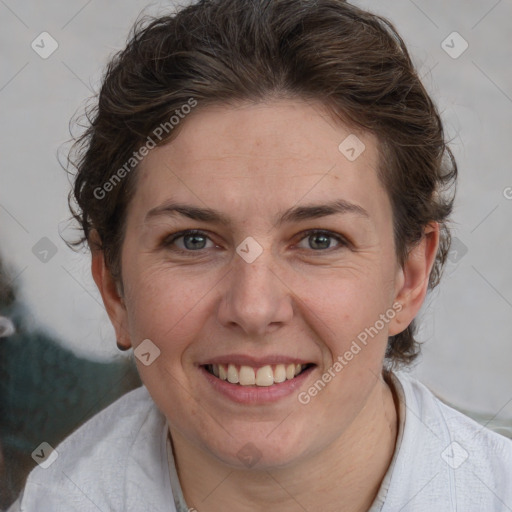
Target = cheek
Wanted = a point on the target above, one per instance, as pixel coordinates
(166, 309)
(347, 306)
(163, 306)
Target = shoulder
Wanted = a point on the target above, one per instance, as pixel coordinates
(94, 464)
(447, 421)
(454, 461)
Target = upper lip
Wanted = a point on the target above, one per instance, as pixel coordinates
(255, 362)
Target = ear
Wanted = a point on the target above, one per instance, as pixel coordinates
(110, 293)
(413, 277)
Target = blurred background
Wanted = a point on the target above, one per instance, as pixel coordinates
(52, 59)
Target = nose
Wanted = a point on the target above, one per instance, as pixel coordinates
(255, 299)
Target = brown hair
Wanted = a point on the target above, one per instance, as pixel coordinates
(226, 51)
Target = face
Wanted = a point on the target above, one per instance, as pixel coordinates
(253, 245)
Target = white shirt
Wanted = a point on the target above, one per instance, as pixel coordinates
(120, 461)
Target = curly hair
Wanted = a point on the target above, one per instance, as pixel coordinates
(227, 51)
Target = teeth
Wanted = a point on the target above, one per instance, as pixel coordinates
(248, 376)
(232, 374)
(280, 373)
(265, 376)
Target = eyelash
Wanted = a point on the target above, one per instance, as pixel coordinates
(170, 240)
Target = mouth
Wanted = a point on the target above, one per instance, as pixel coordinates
(263, 376)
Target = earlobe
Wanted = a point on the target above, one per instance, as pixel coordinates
(413, 279)
(122, 347)
(111, 294)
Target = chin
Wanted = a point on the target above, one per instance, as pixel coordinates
(264, 451)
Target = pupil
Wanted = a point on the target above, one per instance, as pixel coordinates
(319, 241)
(196, 241)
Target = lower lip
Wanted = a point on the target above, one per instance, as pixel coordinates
(256, 394)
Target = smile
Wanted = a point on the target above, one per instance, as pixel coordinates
(263, 376)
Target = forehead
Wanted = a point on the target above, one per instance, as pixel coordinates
(272, 153)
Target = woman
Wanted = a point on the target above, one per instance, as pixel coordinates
(265, 188)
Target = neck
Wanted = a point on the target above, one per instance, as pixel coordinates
(349, 471)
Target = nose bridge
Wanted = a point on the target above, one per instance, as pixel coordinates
(255, 299)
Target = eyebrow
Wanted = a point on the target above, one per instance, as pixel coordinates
(294, 214)
(315, 211)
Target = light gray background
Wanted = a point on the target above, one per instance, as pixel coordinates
(467, 322)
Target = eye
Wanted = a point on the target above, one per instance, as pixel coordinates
(321, 240)
(189, 240)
